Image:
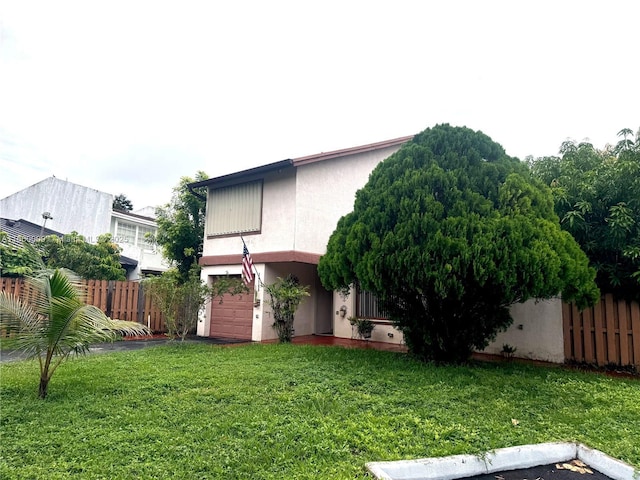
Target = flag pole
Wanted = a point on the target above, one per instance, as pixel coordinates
(255, 270)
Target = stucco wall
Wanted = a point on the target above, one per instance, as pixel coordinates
(73, 207)
(278, 221)
(536, 331)
(301, 207)
(262, 314)
(147, 260)
(382, 332)
(304, 319)
(325, 191)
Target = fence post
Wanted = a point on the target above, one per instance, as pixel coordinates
(140, 316)
(110, 286)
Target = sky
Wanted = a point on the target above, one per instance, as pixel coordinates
(130, 96)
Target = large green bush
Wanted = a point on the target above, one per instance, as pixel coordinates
(448, 233)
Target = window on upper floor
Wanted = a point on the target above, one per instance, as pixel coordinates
(126, 233)
(143, 240)
(132, 234)
(235, 209)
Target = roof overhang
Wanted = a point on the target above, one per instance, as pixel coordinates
(243, 176)
(319, 157)
(258, 173)
(129, 262)
(135, 218)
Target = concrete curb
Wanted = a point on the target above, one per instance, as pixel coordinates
(502, 459)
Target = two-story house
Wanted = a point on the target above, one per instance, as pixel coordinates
(286, 212)
(66, 207)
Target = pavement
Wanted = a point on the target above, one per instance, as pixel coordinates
(539, 461)
(7, 355)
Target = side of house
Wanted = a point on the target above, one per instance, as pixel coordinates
(285, 212)
(134, 235)
(71, 207)
(536, 333)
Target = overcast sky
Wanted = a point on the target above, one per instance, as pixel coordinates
(127, 97)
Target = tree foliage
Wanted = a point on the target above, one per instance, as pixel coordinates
(99, 261)
(51, 321)
(17, 261)
(285, 296)
(597, 197)
(181, 225)
(122, 203)
(178, 299)
(448, 233)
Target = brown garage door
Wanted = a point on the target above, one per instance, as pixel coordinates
(233, 317)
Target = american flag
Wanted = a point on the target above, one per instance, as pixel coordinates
(247, 267)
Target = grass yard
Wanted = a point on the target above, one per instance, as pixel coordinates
(292, 412)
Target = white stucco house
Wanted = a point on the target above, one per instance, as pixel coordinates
(66, 207)
(286, 212)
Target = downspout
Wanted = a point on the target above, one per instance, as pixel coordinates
(204, 199)
(193, 192)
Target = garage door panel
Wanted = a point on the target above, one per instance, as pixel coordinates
(233, 317)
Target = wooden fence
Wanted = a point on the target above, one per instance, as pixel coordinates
(605, 334)
(120, 300)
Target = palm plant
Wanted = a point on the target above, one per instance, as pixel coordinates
(50, 320)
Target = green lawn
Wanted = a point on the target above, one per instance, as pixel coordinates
(292, 411)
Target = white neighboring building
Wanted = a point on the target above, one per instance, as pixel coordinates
(129, 231)
(72, 207)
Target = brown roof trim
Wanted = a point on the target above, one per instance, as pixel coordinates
(244, 175)
(265, 257)
(318, 157)
(257, 173)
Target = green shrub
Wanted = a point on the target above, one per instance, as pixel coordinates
(448, 233)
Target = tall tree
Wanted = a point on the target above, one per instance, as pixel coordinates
(51, 321)
(597, 197)
(99, 261)
(448, 233)
(181, 225)
(122, 203)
